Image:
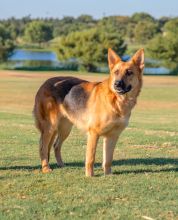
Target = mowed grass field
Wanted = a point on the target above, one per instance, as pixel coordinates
(144, 183)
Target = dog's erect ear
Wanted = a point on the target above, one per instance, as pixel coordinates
(139, 59)
(113, 58)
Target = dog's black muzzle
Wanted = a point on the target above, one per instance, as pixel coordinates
(121, 87)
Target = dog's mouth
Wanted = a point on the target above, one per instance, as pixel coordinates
(123, 91)
(121, 88)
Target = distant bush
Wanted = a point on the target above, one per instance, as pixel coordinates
(38, 32)
(6, 43)
(165, 48)
(90, 47)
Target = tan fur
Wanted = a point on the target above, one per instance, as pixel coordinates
(96, 108)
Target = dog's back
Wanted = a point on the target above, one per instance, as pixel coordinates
(49, 96)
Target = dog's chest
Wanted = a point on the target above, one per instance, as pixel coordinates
(116, 123)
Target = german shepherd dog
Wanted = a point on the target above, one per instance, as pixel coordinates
(99, 108)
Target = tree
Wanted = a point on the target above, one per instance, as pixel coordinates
(144, 31)
(85, 19)
(38, 32)
(90, 47)
(142, 16)
(70, 24)
(115, 23)
(130, 31)
(165, 48)
(171, 26)
(6, 43)
(162, 21)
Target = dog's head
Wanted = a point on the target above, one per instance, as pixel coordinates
(126, 77)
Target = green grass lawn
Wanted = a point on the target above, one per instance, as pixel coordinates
(145, 168)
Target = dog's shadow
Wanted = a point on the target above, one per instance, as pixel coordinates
(173, 162)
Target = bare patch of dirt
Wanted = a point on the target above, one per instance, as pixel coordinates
(154, 147)
(161, 133)
(158, 105)
(46, 75)
(156, 132)
(148, 80)
(160, 80)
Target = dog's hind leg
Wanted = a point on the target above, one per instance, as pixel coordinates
(64, 130)
(46, 140)
(51, 143)
(48, 125)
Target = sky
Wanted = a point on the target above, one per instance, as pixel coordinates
(96, 8)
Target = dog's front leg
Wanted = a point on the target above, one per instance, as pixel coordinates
(109, 144)
(90, 153)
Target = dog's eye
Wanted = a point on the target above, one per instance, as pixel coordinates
(129, 72)
(116, 72)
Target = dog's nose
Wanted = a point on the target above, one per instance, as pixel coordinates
(119, 83)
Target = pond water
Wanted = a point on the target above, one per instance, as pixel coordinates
(20, 59)
(27, 59)
(20, 55)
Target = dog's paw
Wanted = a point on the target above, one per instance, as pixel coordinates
(60, 164)
(107, 171)
(46, 170)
